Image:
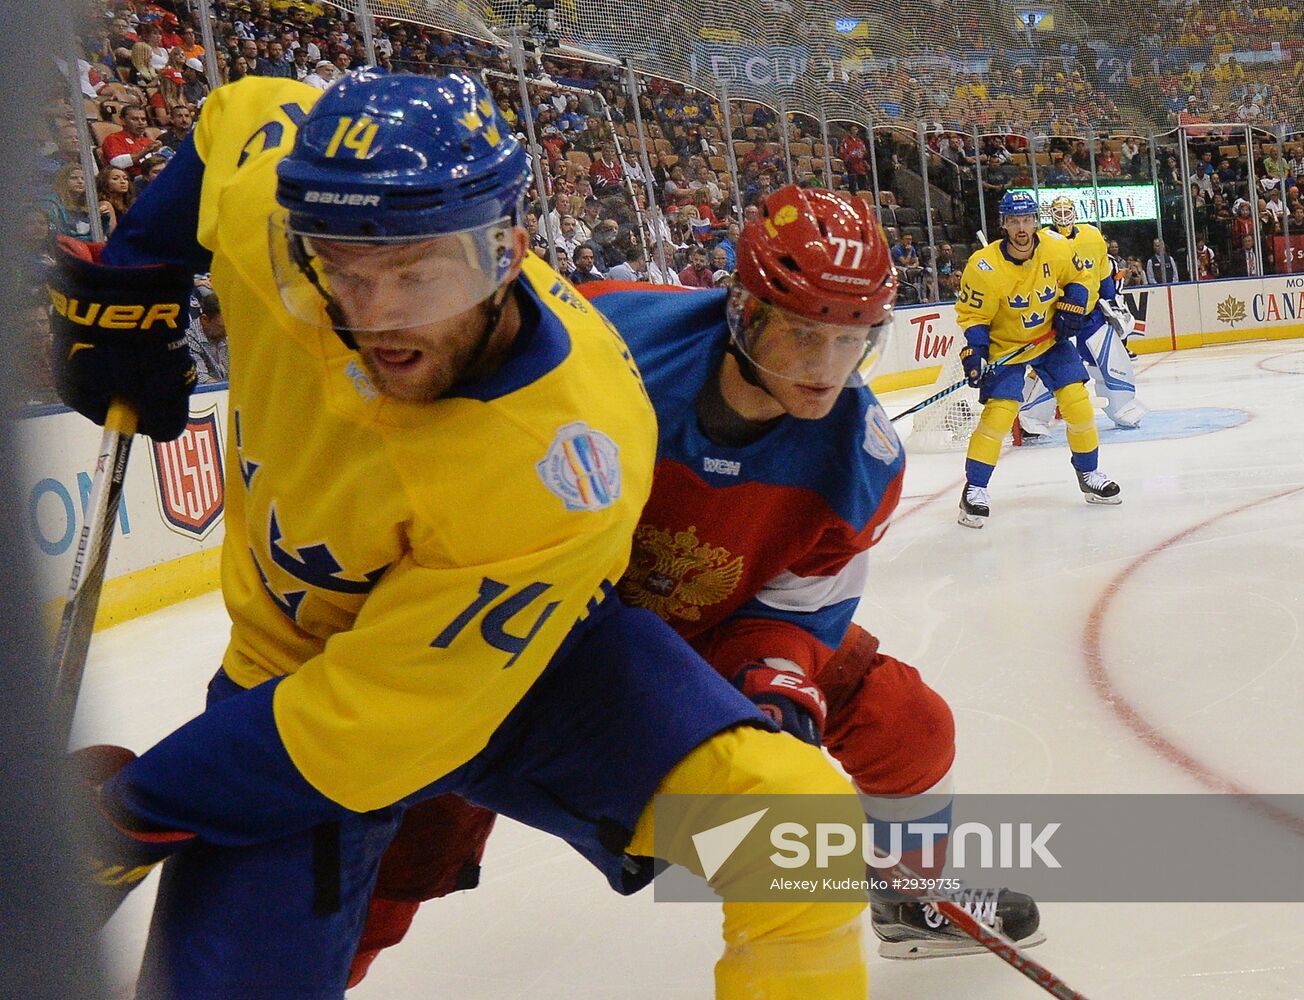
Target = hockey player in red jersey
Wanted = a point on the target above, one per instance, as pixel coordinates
(777, 470)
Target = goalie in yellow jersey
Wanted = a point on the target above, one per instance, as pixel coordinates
(1103, 345)
(1021, 301)
(438, 455)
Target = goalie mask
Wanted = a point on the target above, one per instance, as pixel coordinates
(1063, 215)
(815, 288)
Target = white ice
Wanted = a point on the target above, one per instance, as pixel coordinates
(1200, 574)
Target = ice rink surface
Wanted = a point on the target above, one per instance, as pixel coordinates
(1152, 647)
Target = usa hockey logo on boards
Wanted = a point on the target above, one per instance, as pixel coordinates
(582, 467)
(188, 472)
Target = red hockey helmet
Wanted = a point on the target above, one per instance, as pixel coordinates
(823, 260)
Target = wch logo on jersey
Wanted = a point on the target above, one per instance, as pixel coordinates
(582, 467)
(188, 471)
(721, 466)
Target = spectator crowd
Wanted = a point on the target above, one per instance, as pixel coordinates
(603, 209)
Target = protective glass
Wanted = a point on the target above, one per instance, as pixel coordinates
(797, 349)
(353, 284)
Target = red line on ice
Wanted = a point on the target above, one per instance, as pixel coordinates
(1130, 716)
(1263, 363)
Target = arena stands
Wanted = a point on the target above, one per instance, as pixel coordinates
(1183, 118)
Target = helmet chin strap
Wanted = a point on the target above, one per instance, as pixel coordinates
(302, 260)
(493, 317)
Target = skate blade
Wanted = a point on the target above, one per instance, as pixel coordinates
(946, 947)
(1103, 501)
(970, 520)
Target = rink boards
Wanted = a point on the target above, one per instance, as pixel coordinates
(1169, 318)
(170, 529)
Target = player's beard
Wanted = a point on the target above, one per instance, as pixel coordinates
(454, 351)
(1020, 242)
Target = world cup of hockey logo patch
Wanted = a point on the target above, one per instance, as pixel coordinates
(188, 473)
(675, 574)
(582, 467)
(881, 439)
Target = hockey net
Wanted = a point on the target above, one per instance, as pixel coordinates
(947, 424)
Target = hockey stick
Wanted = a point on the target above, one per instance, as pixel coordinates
(993, 940)
(943, 393)
(88, 566)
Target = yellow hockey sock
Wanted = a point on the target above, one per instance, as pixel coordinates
(1079, 417)
(996, 420)
(793, 950)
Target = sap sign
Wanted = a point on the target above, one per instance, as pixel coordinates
(1107, 203)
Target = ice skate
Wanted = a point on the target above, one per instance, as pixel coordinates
(1097, 487)
(908, 928)
(974, 506)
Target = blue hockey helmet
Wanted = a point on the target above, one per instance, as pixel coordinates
(1018, 203)
(384, 156)
(399, 197)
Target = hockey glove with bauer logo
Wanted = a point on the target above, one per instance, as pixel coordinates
(974, 360)
(120, 332)
(1071, 315)
(795, 704)
(123, 850)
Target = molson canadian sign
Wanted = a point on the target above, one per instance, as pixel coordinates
(1107, 203)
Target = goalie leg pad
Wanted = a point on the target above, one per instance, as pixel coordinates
(1038, 408)
(1115, 379)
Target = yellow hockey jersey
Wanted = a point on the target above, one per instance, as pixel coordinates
(1090, 254)
(1014, 301)
(413, 566)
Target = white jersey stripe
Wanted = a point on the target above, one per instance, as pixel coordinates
(790, 592)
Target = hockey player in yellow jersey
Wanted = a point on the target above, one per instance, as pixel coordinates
(438, 453)
(1021, 300)
(1102, 343)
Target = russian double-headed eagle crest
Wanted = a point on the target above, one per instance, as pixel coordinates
(675, 574)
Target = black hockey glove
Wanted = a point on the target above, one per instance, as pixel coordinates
(974, 360)
(120, 332)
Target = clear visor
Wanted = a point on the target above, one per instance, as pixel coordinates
(797, 349)
(349, 284)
